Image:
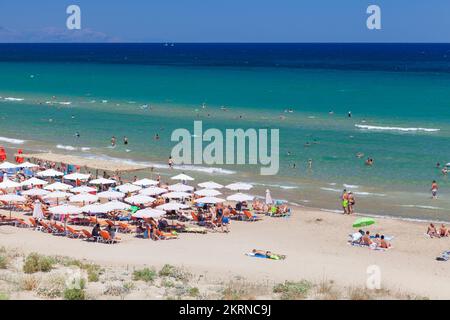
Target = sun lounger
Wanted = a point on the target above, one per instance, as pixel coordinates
(106, 238)
(165, 235)
(250, 217)
(20, 223)
(125, 228)
(195, 230)
(72, 233)
(88, 236)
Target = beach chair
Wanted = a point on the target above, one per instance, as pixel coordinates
(194, 216)
(45, 227)
(106, 238)
(124, 228)
(88, 236)
(72, 233)
(59, 230)
(34, 224)
(165, 235)
(250, 217)
(20, 223)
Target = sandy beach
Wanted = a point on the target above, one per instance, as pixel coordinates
(315, 243)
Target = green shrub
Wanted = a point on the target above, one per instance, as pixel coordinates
(4, 296)
(3, 261)
(93, 270)
(194, 292)
(38, 263)
(74, 294)
(174, 272)
(293, 290)
(147, 275)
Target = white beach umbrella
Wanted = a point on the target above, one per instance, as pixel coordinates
(208, 193)
(57, 195)
(8, 184)
(27, 165)
(180, 188)
(35, 192)
(58, 186)
(12, 198)
(34, 182)
(111, 195)
(210, 200)
(269, 199)
(37, 211)
(77, 176)
(153, 191)
(66, 209)
(115, 205)
(128, 187)
(84, 197)
(83, 189)
(210, 185)
(145, 183)
(139, 199)
(102, 181)
(177, 195)
(8, 165)
(94, 208)
(183, 177)
(172, 206)
(239, 186)
(149, 213)
(239, 197)
(49, 173)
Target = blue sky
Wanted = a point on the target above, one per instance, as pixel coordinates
(225, 21)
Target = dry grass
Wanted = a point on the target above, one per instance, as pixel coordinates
(242, 290)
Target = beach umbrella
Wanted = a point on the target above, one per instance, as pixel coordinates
(146, 183)
(37, 210)
(77, 176)
(172, 206)
(239, 186)
(152, 191)
(149, 213)
(208, 193)
(83, 189)
(102, 181)
(35, 192)
(84, 198)
(94, 208)
(49, 173)
(34, 182)
(210, 200)
(210, 185)
(12, 198)
(177, 195)
(240, 197)
(66, 210)
(58, 186)
(183, 177)
(363, 222)
(139, 199)
(57, 195)
(128, 187)
(269, 199)
(8, 165)
(111, 195)
(180, 188)
(27, 165)
(8, 184)
(115, 205)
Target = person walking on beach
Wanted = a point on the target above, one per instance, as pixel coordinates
(351, 202)
(434, 189)
(344, 200)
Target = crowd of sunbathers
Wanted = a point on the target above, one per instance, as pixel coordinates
(364, 238)
(433, 232)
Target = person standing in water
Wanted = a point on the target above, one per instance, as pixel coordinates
(125, 140)
(310, 163)
(344, 200)
(434, 189)
(113, 141)
(170, 163)
(349, 114)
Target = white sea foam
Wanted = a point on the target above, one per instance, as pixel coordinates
(331, 189)
(11, 140)
(68, 148)
(14, 99)
(401, 129)
(369, 194)
(350, 186)
(421, 207)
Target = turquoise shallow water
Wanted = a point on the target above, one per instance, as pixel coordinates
(107, 100)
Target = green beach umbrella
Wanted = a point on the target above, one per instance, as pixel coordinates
(363, 222)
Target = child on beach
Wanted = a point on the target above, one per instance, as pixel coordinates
(434, 189)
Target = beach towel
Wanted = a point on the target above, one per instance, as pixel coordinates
(263, 256)
(445, 256)
(368, 247)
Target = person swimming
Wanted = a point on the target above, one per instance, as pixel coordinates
(125, 140)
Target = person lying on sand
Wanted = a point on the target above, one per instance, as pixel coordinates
(443, 231)
(432, 232)
(269, 255)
